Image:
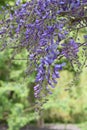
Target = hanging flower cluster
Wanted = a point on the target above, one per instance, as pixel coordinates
(43, 28)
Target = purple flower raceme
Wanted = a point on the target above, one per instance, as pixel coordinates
(44, 28)
(70, 49)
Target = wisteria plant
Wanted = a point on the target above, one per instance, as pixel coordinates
(48, 30)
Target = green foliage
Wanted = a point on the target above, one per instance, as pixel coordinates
(18, 118)
(14, 103)
(68, 104)
(16, 96)
(83, 126)
(15, 107)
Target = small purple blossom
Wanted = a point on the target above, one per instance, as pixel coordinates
(70, 49)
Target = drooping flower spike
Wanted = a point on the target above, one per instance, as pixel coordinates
(48, 30)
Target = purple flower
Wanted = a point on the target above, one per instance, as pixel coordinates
(85, 36)
(70, 49)
(43, 28)
(36, 87)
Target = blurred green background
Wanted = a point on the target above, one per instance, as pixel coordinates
(67, 104)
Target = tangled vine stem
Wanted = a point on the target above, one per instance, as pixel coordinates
(48, 30)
